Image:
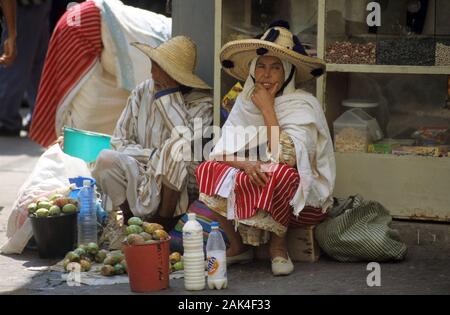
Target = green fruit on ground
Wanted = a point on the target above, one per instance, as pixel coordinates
(101, 256)
(92, 248)
(44, 204)
(32, 207)
(69, 208)
(119, 257)
(135, 221)
(85, 265)
(73, 257)
(119, 269)
(42, 213)
(151, 227)
(175, 257)
(65, 263)
(135, 239)
(178, 266)
(146, 236)
(73, 266)
(107, 270)
(124, 265)
(113, 259)
(110, 260)
(54, 211)
(55, 196)
(133, 229)
(83, 246)
(160, 235)
(80, 252)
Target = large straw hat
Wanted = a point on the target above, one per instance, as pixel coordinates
(177, 57)
(277, 41)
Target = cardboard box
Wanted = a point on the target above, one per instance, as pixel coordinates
(301, 246)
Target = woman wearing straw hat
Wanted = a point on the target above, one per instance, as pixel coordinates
(283, 187)
(145, 174)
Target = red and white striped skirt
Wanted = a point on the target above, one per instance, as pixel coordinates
(274, 197)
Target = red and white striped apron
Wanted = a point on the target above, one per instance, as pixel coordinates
(73, 50)
(273, 198)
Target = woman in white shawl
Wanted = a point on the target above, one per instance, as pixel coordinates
(290, 182)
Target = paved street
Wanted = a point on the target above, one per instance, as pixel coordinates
(425, 271)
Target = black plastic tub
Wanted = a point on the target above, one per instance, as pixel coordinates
(55, 236)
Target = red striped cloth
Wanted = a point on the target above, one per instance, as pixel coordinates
(73, 50)
(273, 198)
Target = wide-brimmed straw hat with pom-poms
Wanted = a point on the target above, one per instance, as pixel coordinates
(277, 41)
(177, 57)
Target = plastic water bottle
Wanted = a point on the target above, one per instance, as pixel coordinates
(193, 256)
(217, 259)
(87, 217)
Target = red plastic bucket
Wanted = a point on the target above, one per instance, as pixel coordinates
(148, 266)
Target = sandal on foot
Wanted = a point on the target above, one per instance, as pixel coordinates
(282, 266)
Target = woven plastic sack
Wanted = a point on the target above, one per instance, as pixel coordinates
(358, 230)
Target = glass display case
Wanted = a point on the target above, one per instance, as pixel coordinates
(407, 77)
(411, 32)
(349, 40)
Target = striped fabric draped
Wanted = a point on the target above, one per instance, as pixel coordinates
(73, 51)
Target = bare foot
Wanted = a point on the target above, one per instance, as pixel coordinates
(277, 246)
(278, 252)
(234, 251)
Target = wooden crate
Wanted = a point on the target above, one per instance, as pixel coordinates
(301, 246)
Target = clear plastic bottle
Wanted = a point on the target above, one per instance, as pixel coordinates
(193, 256)
(87, 217)
(217, 259)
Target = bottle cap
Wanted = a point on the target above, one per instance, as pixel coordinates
(214, 225)
(191, 216)
(86, 183)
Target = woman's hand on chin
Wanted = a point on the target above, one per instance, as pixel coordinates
(264, 99)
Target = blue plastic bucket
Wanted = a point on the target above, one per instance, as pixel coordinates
(85, 145)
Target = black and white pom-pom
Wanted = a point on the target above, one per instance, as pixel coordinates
(317, 72)
(280, 23)
(228, 64)
(261, 51)
(298, 47)
(272, 35)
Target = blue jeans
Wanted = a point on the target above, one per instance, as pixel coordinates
(24, 74)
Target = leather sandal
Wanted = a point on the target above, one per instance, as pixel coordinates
(282, 266)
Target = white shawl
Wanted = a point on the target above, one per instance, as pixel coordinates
(301, 117)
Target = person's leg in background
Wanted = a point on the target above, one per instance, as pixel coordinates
(237, 246)
(12, 87)
(43, 32)
(15, 80)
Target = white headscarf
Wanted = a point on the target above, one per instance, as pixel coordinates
(250, 84)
